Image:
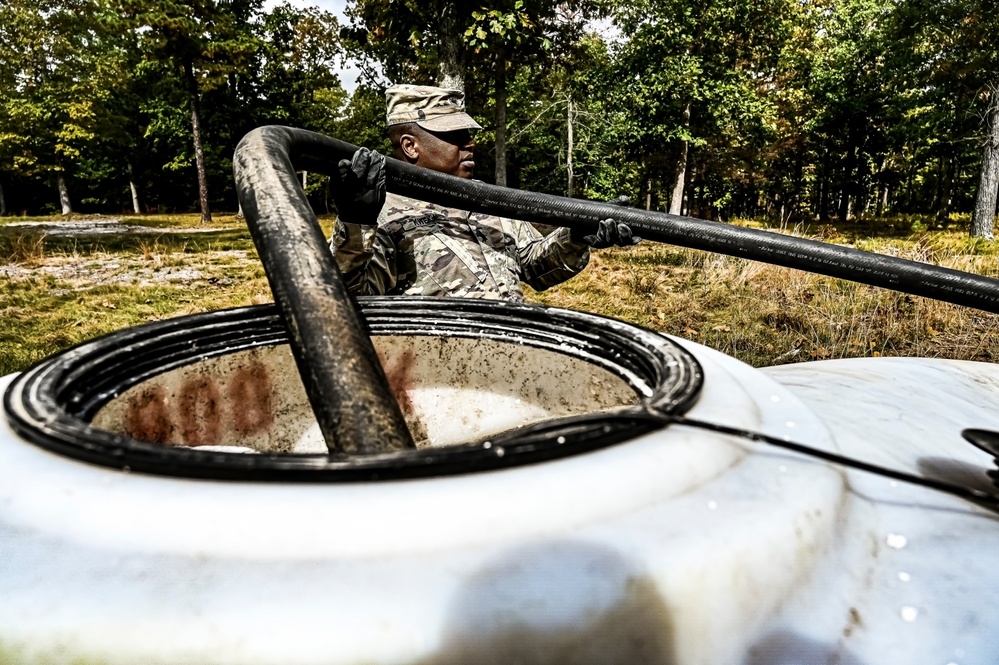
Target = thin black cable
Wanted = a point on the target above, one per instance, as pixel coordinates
(548, 429)
(932, 483)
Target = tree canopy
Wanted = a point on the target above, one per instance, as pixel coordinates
(788, 109)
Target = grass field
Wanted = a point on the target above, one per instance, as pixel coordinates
(61, 289)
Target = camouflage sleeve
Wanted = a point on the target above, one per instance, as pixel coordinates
(366, 256)
(549, 260)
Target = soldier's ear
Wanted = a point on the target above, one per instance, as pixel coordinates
(410, 147)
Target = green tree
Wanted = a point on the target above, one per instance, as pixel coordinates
(53, 101)
(851, 101)
(534, 34)
(956, 54)
(444, 40)
(563, 139)
(208, 41)
(298, 82)
(696, 75)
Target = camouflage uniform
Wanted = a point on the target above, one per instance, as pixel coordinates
(424, 249)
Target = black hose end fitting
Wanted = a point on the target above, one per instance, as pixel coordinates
(987, 441)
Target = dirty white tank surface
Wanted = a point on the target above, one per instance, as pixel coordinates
(165, 498)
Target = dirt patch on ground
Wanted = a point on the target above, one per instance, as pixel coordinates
(88, 271)
(99, 269)
(98, 227)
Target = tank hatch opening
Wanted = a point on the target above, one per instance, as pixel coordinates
(481, 385)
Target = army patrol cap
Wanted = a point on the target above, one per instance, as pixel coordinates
(436, 109)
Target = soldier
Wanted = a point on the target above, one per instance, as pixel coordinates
(397, 245)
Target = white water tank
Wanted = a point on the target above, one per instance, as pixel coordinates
(597, 533)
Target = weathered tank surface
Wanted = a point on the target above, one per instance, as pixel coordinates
(670, 544)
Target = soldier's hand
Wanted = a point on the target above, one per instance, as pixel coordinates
(622, 200)
(361, 193)
(610, 232)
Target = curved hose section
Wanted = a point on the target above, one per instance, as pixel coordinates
(336, 360)
(308, 290)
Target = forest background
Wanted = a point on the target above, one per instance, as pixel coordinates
(789, 110)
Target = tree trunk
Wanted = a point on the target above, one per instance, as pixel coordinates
(199, 151)
(648, 194)
(849, 181)
(570, 180)
(676, 201)
(824, 188)
(501, 118)
(451, 67)
(910, 176)
(882, 189)
(938, 190)
(64, 202)
(983, 219)
(703, 208)
(3, 202)
(136, 201)
(946, 190)
(955, 182)
(863, 183)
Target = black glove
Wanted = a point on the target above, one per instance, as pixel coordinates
(609, 232)
(622, 201)
(361, 193)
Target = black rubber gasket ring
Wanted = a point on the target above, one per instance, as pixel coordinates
(51, 404)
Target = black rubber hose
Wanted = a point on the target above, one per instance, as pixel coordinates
(295, 254)
(341, 373)
(913, 277)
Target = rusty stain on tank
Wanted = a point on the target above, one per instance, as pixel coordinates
(249, 395)
(400, 374)
(400, 379)
(199, 409)
(146, 418)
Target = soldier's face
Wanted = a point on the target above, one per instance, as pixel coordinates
(448, 152)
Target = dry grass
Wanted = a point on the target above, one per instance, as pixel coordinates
(24, 247)
(766, 315)
(58, 291)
